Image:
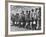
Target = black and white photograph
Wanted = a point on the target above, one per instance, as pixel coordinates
(25, 18)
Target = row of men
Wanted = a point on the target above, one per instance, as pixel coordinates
(29, 20)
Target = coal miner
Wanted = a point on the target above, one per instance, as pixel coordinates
(22, 19)
(38, 17)
(17, 19)
(13, 19)
(27, 19)
(34, 20)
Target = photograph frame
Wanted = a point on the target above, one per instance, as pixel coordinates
(6, 16)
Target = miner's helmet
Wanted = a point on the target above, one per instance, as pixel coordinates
(17, 13)
(32, 10)
(27, 11)
(37, 9)
(22, 12)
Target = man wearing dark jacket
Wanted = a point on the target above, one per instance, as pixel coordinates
(22, 19)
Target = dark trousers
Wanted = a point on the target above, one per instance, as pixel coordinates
(34, 25)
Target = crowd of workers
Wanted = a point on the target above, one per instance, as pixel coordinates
(29, 20)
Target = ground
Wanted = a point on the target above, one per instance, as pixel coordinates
(15, 28)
